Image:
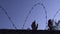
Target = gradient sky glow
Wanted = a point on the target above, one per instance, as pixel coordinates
(18, 10)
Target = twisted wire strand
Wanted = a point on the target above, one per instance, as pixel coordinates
(8, 17)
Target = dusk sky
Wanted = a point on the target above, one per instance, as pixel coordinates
(19, 9)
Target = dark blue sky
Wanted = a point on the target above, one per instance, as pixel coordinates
(18, 10)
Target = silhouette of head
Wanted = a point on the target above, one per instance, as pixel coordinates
(34, 26)
(50, 24)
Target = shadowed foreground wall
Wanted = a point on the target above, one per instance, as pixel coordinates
(11, 31)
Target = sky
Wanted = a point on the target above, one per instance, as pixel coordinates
(19, 9)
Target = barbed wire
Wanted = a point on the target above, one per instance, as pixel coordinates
(8, 17)
(31, 11)
(56, 13)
